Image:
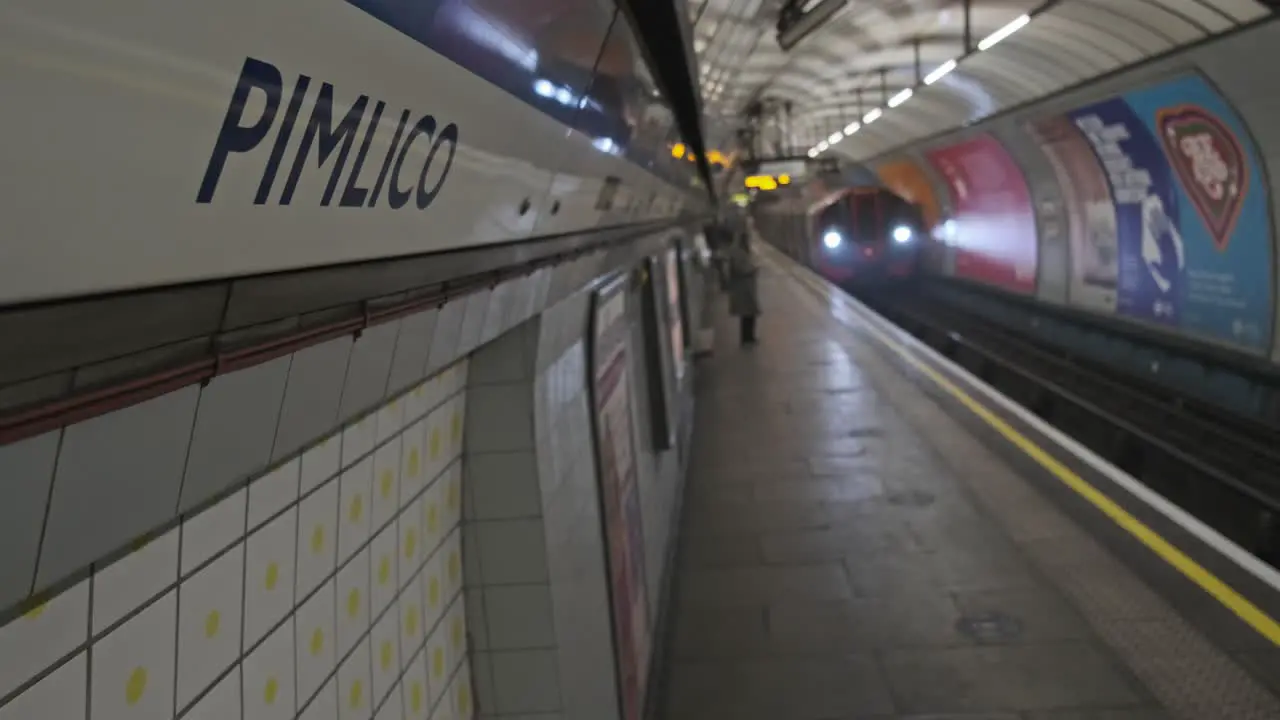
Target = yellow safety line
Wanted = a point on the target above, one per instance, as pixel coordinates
(1223, 593)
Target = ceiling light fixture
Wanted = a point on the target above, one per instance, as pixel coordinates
(872, 116)
(900, 98)
(989, 41)
(939, 72)
(852, 127)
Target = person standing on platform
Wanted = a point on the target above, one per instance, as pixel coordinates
(744, 298)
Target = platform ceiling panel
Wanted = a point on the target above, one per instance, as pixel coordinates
(867, 52)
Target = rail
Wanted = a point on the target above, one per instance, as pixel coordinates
(1215, 470)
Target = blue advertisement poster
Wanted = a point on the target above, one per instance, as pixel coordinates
(1190, 225)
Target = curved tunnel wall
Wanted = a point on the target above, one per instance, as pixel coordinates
(1144, 197)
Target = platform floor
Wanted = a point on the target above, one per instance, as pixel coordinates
(852, 552)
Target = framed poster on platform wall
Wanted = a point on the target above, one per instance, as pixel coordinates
(660, 346)
(677, 310)
(618, 476)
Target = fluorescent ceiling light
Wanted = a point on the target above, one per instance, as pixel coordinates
(900, 98)
(813, 152)
(822, 146)
(852, 127)
(939, 72)
(872, 116)
(835, 137)
(989, 41)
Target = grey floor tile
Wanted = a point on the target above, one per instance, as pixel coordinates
(1027, 614)
(793, 688)
(1018, 677)
(761, 585)
(859, 625)
(1130, 713)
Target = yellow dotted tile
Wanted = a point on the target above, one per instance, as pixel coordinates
(457, 633)
(317, 539)
(136, 686)
(356, 694)
(270, 691)
(211, 623)
(455, 567)
(435, 443)
(273, 576)
(353, 603)
(415, 696)
(411, 621)
(36, 611)
(433, 592)
(384, 570)
(410, 543)
(413, 467)
(387, 482)
(464, 699)
(433, 518)
(451, 495)
(317, 642)
(417, 392)
(356, 511)
(455, 427)
(437, 663)
(386, 655)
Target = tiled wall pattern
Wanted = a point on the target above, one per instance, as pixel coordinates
(328, 589)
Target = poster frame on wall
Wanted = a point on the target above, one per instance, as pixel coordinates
(1127, 302)
(617, 477)
(659, 353)
(677, 256)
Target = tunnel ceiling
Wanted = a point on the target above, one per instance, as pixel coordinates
(1064, 43)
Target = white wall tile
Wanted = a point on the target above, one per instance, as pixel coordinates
(317, 536)
(273, 492)
(354, 685)
(209, 609)
(358, 439)
(369, 369)
(119, 588)
(60, 695)
(354, 507)
(414, 341)
(409, 528)
(384, 643)
(451, 550)
(417, 701)
(410, 615)
(141, 450)
(386, 482)
(325, 704)
(26, 472)
(433, 590)
(353, 601)
(234, 430)
(504, 485)
(312, 395)
(269, 576)
(133, 670)
(507, 412)
(382, 553)
(519, 617)
(437, 658)
(512, 551)
(45, 634)
(320, 462)
(525, 681)
(269, 690)
(477, 304)
(391, 709)
(390, 419)
(444, 341)
(216, 528)
(463, 702)
(221, 703)
(316, 650)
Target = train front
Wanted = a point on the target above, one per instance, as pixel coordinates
(865, 237)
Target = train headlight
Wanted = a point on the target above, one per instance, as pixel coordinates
(902, 234)
(832, 239)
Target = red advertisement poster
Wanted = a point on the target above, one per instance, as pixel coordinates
(620, 500)
(995, 234)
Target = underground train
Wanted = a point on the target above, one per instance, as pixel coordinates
(855, 236)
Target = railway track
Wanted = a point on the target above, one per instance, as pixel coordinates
(1219, 467)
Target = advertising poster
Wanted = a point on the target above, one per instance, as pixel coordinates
(1091, 219)
(907, 180)
(1192, 246)
(620, 495)
(995, 225)
(675, 313)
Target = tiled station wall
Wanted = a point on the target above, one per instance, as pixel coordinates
(1227, 63)
(288, 540)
